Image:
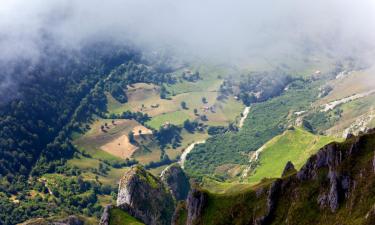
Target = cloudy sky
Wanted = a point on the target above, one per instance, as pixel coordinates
(204, 27)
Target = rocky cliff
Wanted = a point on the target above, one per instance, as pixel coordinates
(177, 181)
(145, 197)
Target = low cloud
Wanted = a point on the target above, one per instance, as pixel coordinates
(225, 29)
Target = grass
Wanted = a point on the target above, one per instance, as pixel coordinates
(176, 118)
(217, 187)
(84, 163)
(113, 106)
(295, 145)
(119, 217)
(148, 153)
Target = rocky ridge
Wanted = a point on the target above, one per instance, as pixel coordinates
(148, 198)
(335, 186)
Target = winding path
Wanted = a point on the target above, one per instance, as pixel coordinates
(333, 104)
(187, 151)
(191, 146)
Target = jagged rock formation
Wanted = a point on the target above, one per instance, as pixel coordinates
(330, 157)
(288, 169)
(145, 197)
(177, 181)
(271, 203)
(196, 202)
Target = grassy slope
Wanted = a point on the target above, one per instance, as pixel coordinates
(295, 145)
(119, 217)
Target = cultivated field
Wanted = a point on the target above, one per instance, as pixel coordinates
(108, 139)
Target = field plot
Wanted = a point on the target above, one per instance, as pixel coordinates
(107, 139)
(120, 147)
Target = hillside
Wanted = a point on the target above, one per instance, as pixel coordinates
(333, 187)
(133, 112)
(187, 112)
(295, 145)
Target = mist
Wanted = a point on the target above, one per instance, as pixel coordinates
(219, 30)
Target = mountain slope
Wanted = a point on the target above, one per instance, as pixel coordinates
(335, 186)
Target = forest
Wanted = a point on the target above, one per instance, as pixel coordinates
(61, 95)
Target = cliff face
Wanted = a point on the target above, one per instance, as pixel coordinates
(196, 202)
(177, 181)
(335, 186)
(145, 197)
